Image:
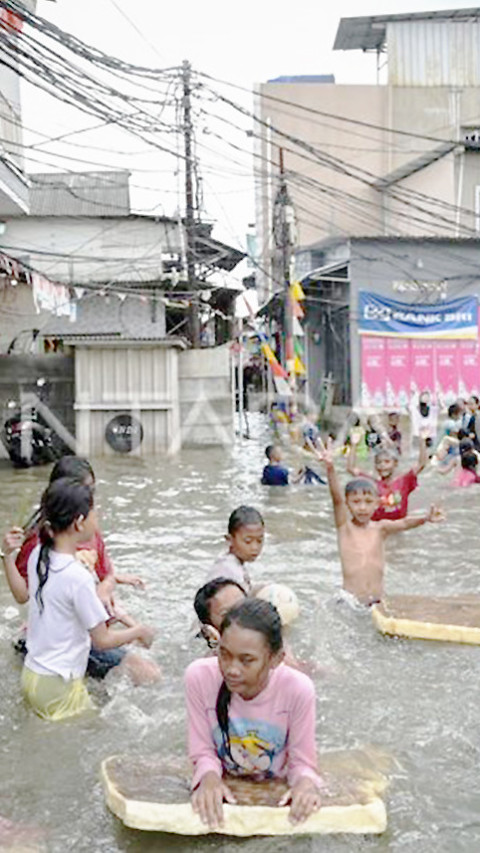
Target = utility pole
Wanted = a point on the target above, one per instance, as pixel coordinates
(194, 318)
(285, 239)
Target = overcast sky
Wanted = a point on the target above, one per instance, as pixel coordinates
(244, 43)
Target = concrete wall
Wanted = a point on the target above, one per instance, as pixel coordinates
(382, 265)
(205, 389)
(84, 250)
(18, 316)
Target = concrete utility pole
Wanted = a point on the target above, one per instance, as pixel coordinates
(194, 318)
(285, 238)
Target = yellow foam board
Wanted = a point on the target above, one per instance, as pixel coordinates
(455, 619)
(150, 794)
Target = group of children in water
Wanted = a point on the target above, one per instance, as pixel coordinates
(249, 713)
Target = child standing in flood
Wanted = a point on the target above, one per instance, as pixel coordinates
(65, 614)
(246, 532)
(393, 488)
(361, 540)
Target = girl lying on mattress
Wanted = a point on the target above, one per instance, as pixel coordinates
(251, 715)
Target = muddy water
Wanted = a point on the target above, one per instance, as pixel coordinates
(166, 520)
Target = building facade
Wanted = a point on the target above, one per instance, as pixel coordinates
(401, 157)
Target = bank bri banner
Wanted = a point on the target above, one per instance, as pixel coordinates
(456, 320)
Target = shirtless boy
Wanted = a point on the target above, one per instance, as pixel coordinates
(361, 541)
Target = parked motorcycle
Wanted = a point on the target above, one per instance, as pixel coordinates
(27, 441)
(27, 437)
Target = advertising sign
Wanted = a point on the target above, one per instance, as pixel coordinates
(456, 319)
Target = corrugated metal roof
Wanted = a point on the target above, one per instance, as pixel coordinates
(80, 194)
(129, 318)
(434, 53)
(370, 32)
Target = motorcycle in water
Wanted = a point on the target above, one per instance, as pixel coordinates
(28, 438)
(27, 441)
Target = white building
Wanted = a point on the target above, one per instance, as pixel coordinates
(398, 158)
(13, 181)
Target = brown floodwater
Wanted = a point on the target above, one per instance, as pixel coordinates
(165, 519)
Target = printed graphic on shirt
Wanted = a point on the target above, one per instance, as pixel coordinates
(391, 501)
(253, 747)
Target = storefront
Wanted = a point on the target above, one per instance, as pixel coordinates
(408, 348)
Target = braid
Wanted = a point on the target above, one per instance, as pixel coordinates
(256, 615)
(221, 708)
(43, 568)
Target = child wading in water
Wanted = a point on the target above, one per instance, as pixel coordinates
(246, 532)
(65, 613)
(361, 540)
(274, 474)
(93, 554)
(212, 603)
(393, 489)
(251, 715)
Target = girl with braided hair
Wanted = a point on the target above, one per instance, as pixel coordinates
(65, 613)
(251, 715)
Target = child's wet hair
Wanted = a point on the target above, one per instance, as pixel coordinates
(209, 591)
(389, 452)
(454, 411)
(255, 615)
(269, 451)
(361, 484)
(469, 460)
(75, 467)
(242, 516)
(63, 502)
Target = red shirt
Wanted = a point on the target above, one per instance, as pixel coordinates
(103, 564)
(394, 496)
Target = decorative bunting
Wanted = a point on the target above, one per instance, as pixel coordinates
(296, 291)
(299, 367)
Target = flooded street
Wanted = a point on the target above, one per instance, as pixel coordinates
(165, 519)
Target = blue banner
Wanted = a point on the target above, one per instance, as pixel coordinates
(457, 319)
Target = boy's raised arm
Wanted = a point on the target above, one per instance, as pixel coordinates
(434, 516)
(352, 459)
(325, 454)
(422, 456)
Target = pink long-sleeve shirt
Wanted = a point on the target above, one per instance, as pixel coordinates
(272, 735)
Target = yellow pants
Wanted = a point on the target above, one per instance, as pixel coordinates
(53, 698)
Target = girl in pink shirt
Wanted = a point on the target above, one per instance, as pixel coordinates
(467, 475)
(251, 715)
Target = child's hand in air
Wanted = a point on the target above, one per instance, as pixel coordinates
(304, 799)
(208, 797)
(325, 452)
(146, 635)
(436, 514)
(12, 540)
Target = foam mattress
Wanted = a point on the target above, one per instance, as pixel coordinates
(455, 619)
(152, 794)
